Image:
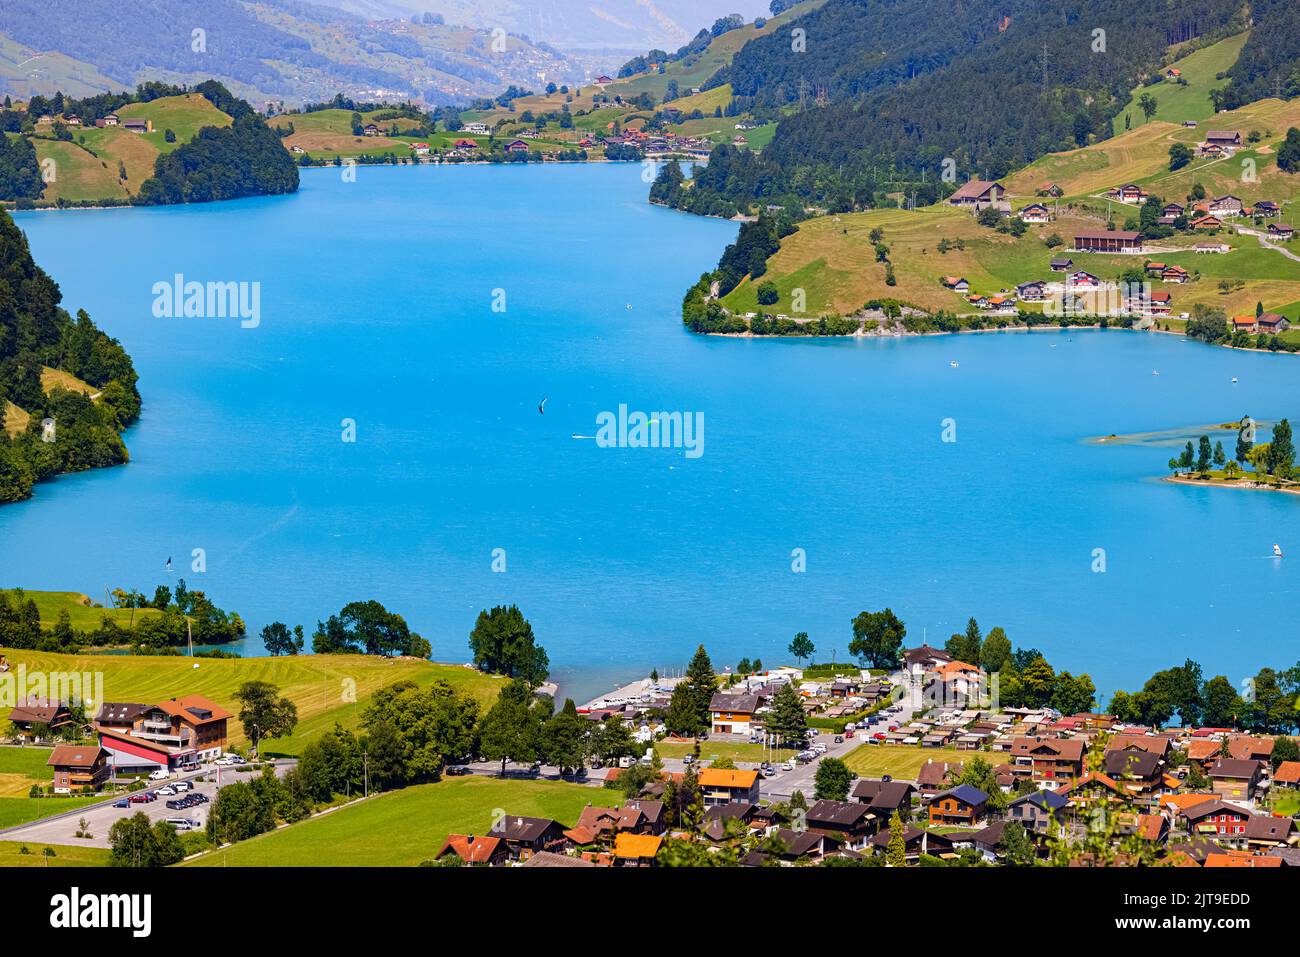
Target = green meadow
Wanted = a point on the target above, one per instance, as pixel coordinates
(325, 688)
(1177, 102)
(19, 854)
(403, 828)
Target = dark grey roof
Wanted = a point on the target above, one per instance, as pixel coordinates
(1138, 764)
(120, 711)
(883, 795)
(1047, 800)
(526, 829)
(837, 813)
(743, 703)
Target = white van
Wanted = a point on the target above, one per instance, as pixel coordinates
(161, 774)
(182, 823)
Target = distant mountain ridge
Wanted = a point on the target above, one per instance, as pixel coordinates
(629, 25)
(271, 49)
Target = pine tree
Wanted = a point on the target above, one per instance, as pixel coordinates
(788, 721)
(896, 854)
(700, 684)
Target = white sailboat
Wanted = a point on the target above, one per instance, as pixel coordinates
(1277, 550)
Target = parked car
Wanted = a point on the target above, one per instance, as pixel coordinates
(880, 736)
(168, 790)
(177, 804)
(201, 798)
(183, 785)
(456, 770)
(893, 727)
(182, 823)
(788, 766)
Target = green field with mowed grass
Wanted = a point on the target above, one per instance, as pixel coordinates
(325, 688)
(83, 615)
(11, 855)
(904, 761)
(20, 768)
(22, 810)
(403, 828)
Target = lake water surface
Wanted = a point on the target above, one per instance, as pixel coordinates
(377, 306)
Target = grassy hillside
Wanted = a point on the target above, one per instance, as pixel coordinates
(694, 70)
(90, 166)
(184, 115)
(1141, 156)
(79, 175)
(84, 613)
(326, 688)
(403, 828)
(14, 419)
(689, 73)
(1177, 102)
(25, 71)
(833, 260)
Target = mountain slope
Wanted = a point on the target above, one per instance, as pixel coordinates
(1021, 78)
(635, 25)
(273, 49)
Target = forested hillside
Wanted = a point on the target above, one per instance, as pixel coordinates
(203, 144)
(853, 46)
(1006, 83)
(1270, 61)
(48, 362)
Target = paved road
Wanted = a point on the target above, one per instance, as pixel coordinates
(1264, 241)
(62, 828)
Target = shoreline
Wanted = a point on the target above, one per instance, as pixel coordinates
(1248, 485)
(1043, 327)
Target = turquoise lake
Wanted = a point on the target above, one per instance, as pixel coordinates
(377, 306)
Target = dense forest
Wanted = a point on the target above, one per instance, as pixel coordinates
(1269, 64)
(996, 85)
(244, 159)
(35, 333)
(20, 173)
(853, 46)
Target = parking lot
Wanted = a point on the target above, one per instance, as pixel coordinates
(100, 818)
